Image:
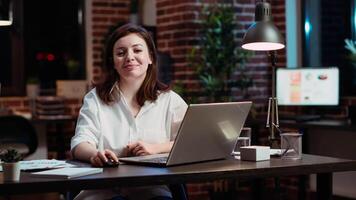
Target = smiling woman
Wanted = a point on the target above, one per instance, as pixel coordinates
(131, 57)
(115, 113)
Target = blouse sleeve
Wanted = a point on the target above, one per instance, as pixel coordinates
(178, 109)
(88, 124)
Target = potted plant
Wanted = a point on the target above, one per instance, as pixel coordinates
(217, 56)
(10, 164)
(134, 18)
(32, 87)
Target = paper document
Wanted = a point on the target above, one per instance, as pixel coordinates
(67, 173)
(276, 152)
(42, 164)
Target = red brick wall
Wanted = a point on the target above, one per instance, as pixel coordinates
(105, 14)
(177, 32)
(21, 105)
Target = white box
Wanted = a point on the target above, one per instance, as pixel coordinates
(71, 88)
(255, 153)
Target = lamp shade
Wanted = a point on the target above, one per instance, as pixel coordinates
(263, 35)
(5, 13)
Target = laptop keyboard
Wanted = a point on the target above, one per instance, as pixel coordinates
(156, 160)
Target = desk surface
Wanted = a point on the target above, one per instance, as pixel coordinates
(130, 175)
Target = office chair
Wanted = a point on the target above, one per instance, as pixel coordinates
(18, 133)
(179, 191)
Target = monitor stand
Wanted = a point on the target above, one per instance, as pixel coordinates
(306, 118)
(301, 117)
(305, 114)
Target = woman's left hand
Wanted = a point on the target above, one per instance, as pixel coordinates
(141, 148)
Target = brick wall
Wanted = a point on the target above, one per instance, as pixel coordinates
(21, 105)
(105, 15)
(178, 24)
(177, 31)
(259, 65)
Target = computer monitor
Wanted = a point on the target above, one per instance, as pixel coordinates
(307, 86)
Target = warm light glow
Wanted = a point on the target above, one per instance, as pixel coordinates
(263, 46)
(5, 23)
(50, 57)
(40, 56)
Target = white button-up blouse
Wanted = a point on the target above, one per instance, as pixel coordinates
(113, 126)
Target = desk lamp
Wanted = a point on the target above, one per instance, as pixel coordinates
(263, 35)
(5, 12)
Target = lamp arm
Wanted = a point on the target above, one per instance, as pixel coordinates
(272, 56)
(276, 108)
(268, 123)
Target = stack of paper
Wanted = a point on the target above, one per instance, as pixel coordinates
(67, 173)
(31, 165)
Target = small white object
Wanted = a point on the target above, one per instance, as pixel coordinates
(276, 152)
(255, 153)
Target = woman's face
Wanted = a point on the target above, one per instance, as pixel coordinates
(131, 57)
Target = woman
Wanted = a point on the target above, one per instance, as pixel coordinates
(131, 113)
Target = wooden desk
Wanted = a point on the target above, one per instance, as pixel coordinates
(130, 175)
(323, 137)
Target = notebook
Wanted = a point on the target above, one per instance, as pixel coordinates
(207, 132)
(67, 173)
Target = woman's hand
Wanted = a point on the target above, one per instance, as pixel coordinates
(141, 148)
(101, 158)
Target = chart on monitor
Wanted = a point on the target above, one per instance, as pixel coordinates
(307, 86)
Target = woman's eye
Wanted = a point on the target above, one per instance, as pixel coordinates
(137, 50)
(120, 53)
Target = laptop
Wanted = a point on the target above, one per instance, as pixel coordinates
(208, 132)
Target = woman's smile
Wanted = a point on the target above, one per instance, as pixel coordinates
(130, 67)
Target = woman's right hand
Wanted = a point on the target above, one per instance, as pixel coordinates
(101, 158)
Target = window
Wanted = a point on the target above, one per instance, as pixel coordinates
(46, 42)
(325, 26)
(11, 54)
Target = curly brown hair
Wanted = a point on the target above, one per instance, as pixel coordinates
(151, 86)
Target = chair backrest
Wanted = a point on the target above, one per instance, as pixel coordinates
(17, 132)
